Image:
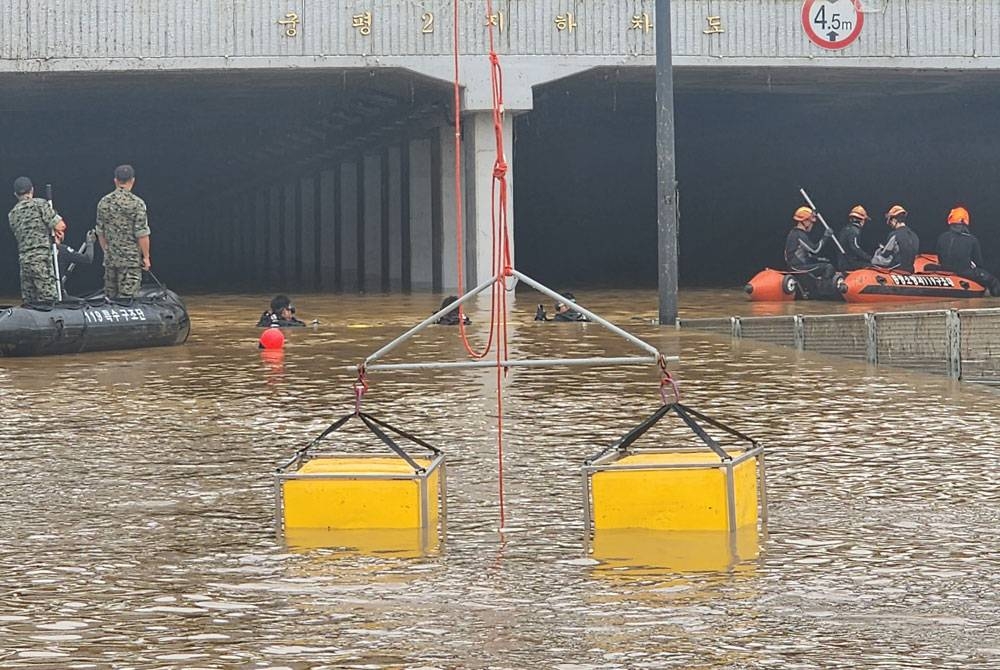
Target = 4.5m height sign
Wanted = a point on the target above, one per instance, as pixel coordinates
(832, 24)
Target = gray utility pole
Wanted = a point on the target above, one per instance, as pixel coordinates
(666, 184)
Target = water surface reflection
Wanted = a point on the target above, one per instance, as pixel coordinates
(138, 506)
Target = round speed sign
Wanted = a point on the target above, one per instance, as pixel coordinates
(832, 24)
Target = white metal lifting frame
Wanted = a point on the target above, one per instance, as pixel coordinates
(654, 357)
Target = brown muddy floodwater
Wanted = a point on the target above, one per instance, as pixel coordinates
(137, 506)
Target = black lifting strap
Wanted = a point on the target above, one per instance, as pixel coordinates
(681, 411)
(632, 435)
(373, 425)
(687, 415)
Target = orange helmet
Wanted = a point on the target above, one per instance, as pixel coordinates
(958, 215)
(803, 214)
(858, 212)
(895, 211)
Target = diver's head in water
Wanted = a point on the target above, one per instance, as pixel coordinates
(560, 306)
(282, 307)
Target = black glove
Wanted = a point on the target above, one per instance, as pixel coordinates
(540, 314)
(827, 233)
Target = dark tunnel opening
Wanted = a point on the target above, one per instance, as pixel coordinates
(746, 141)
(584, 162)
(195, 138)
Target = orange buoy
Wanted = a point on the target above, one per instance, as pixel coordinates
(272, 338)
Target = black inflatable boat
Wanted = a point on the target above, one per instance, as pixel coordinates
(155, 318)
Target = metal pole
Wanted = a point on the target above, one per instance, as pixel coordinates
(666, 184)
(429, 320)
(730, 496)
(821, 219)
(516, 363)
(55, 249)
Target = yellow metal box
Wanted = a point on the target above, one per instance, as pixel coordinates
(361, 492)
(680, 490)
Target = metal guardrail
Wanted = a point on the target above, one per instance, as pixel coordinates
(962, 344)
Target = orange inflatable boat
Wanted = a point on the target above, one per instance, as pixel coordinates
(869, 285)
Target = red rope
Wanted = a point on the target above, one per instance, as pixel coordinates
(501, 266)
(360, 388)
(667, 382)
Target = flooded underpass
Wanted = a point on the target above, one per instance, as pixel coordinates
(139, 505)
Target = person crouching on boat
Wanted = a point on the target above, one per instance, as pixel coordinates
(33, 222)
(958, 251)
(854, 256)
(68, 255)
(902, 246)
(281, 314)
(802, 255)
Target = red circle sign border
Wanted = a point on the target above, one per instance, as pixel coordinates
(827, 44)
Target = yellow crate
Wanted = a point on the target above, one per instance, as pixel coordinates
(353, 492)
(680, 490)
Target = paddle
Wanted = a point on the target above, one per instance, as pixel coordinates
(821, 220)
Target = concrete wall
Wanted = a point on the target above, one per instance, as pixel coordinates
(52, 35)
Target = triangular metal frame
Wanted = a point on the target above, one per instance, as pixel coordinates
(654, 356)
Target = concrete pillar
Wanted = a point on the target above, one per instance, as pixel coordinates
(274, 251)
(394, 214)
(446, 259)
(329, 234)
(480, 155)
(260, 224)
(372, 222)
(307, 232)
(420, 216)
(349, 227)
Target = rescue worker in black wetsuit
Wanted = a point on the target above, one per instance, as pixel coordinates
(854, 256)
(563, 312)
(281, 314)
(958, 251)
(802, 256)
(902, 246)
(70, 256)
(451, 318)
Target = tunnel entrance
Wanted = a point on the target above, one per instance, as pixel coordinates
(198, 140)
(332, 179)
(746, 140)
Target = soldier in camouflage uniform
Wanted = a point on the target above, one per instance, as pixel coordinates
(33, 221)
(123, 231)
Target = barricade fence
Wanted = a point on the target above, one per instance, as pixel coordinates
(958, 343)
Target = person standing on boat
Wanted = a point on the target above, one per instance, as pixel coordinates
(123, 231)
(33, 222)
(854, 256)
(958, 251)
(802, 255)
(901, 248)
